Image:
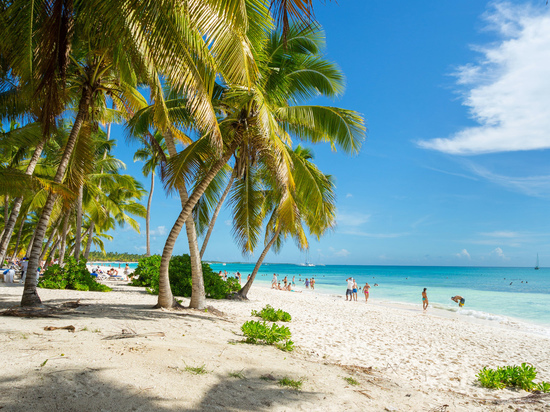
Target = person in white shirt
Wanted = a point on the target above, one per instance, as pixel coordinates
(24, 266)
(349, 291)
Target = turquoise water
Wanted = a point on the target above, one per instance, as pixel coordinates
(490, 293)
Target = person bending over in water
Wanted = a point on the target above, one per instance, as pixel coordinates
(458, 299)
(424, 299)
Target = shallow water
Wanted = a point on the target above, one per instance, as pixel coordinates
(492, 293)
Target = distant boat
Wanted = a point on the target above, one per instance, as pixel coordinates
(537, 266)
(307, 262)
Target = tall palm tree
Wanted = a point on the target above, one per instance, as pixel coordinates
(152, 158)
(258, 120)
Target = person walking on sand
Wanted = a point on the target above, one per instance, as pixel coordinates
(424, 299)
(458, 299)
(274, 280)
(354, 290)
(366, 292)
(349, 290)
(312, 283)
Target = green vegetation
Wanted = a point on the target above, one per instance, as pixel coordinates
(273, 315)
(181, 277)
(257, 332)
(114, 257)
(351, 381)
(74, 275)
(238, 375)
(196, 370)
(287, 382)
(512, 376)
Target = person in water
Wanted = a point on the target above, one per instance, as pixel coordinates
(366, 292)
(424, 299)
(458, 299)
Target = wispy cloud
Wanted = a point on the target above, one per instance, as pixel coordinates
(499, 252)
(501, 234)
(464, 254)
(537, 186)
(508, 90)
(452, 173)
(418, 222)
(159, 231)
(349, 195)
(342, 253)
(352, 219)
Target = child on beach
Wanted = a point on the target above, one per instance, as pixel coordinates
(424, 299)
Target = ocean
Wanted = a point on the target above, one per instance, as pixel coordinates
(492, 293)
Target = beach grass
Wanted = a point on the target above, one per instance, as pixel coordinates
(196, 370)
(237, 375)
(351, 380)
(291, 383)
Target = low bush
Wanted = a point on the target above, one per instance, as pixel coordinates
(147, 274)
(273, 315)
(257, 332)
(511, 376)
(73, 275)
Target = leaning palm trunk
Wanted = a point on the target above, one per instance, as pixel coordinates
(29, 246)
(244, 290)
(78, 229)
(18, 240)
(30, 294)
(64, 238)
(10, 222)
(53, 250)
(90, 239)
(217, 212)
(48, 243)
(148, 217)
(166, 299)
(198, 295)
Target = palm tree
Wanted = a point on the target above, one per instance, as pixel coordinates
(310, 204)
(150, 155)
(257, 123)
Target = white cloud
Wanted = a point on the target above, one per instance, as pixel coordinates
(501, 234)
(355, 232)
(537, 186)
(159, 231)
(463, 254)
(498, 251)
(349, 195)
(352, 219)
(508, 90)
(342, 253)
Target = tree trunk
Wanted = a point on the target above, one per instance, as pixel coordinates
(29, 246)
(198, 295)
(47, 245)
(30, 295)
(166, 299)
(90, 238)
(6, 215)
(148, 217)
(52, 250)
(10, 223)
(64, 238)
(20, 232)
(78, 229)
(217, 212)
(244, 290)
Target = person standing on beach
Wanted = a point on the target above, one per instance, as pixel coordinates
(307, 283)
(424, 299)
(349, 291)
(366, 292)
(274, 280)
(293, 280)
(354, 290)
(312, 283)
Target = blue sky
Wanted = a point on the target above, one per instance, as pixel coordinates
(454, 170)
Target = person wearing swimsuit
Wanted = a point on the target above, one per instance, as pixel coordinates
(424, 299)
(366, 292)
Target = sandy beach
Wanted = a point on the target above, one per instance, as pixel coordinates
(403, 359)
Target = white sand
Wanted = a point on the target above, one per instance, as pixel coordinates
(420, 361)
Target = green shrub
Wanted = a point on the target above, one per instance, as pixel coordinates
(74, 275)
(543, 387)
(273, 315)
(291, 383)
(181, 278)
(257, 332)
(511, 376)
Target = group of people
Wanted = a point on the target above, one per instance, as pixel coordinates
(224, 275)
(16, 266)
(457, 299)
(351, 291)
